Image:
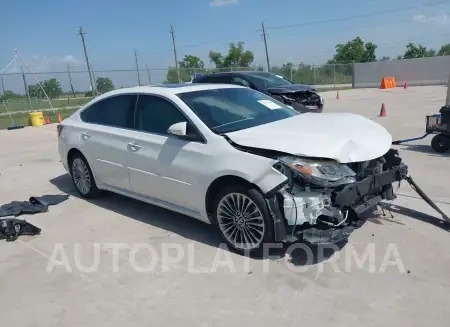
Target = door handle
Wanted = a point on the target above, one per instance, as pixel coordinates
(85, 136)
(134, 147)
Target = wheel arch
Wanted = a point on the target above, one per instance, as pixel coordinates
(215, 186)
(71, 153)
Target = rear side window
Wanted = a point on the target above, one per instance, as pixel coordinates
(156, 115)
(240, 81)
(117, 111)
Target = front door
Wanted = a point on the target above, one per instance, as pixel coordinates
(161, 166)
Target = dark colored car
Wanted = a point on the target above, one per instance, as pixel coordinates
(302, 98)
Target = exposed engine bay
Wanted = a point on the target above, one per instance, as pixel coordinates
(309, 99)
(298, 96)
(322, 201)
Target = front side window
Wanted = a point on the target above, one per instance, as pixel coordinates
(116, 111)
(156, 115)
(233, 109)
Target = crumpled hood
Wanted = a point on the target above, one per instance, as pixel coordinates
(290, 88)
(340, 136)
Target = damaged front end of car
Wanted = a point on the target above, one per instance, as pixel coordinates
(323, 201)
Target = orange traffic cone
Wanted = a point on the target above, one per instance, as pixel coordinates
(405, 86)
(382, 111)
(47, 120)
(337, 95)
(59, 118)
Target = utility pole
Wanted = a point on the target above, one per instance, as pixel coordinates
(70, 80)
(3, 87)
(81, 33)
(148, 75)
(265, 45)
(175, 53)
(26, 89)
(137, 68)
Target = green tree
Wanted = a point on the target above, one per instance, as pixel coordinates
(191, 62)
(52, 87)
(236, 56)
(418, 51)
(35, 91)
(172, 76)
(104, 84)
(354, 50)
(10, 95)
(444, 50)
(188, 66)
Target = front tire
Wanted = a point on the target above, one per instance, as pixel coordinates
(82, 177)
(241, 215)
(440, 143)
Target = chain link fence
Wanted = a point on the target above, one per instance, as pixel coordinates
(76, 89)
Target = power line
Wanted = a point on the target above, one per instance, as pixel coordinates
(403, 45)
(370, 14)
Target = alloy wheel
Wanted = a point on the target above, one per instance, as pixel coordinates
(240, 221)
(81, 176)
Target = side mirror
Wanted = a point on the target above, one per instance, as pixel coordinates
(178, 129)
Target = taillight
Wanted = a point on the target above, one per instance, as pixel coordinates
(59, 129)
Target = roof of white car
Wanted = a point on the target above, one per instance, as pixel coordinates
(171, 89)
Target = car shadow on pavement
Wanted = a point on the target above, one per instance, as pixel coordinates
(193, 229)
(414, 214)
(425, 149)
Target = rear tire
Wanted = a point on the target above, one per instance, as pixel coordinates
(241, 215)
(440, 143)
(82, 177)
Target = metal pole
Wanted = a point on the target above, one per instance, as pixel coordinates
(3, 87)
(334, 75)
(26, 89)
(137, 68)
(95, 81)
(314, 74)
(175, 52)
(291, 74)
(81, 33)
(148, 75)
(265, 45)
(70, 81)
(447, 101)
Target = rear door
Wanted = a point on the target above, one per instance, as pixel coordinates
(105, 138)
(163, 167)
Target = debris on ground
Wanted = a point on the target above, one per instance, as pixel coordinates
(33, 205)
(11, 228)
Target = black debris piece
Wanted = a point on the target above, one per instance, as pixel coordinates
(12, 228)
(34, 205)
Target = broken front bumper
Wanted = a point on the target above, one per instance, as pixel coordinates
(345, 206)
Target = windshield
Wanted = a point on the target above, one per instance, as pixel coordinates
(232, 109)
(271, 80)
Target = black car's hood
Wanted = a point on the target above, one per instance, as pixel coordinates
(290, 88)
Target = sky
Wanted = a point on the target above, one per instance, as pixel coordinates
(45, 32)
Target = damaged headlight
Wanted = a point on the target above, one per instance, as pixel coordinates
(320, 172)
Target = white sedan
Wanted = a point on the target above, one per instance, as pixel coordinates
(233, 157)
